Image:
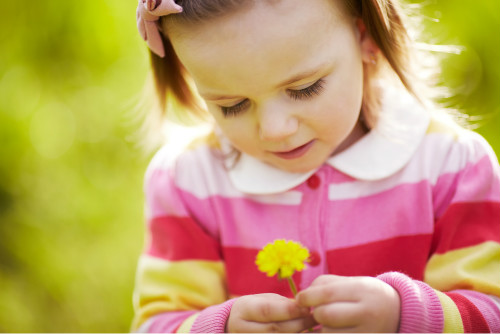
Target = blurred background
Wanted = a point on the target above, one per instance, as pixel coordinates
(71, 219)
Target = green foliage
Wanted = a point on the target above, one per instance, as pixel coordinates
(474, 73)
(71, 203)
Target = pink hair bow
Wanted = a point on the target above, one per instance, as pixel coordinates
(148, 14)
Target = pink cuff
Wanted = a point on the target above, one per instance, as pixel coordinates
(421, 310)
(213, 319)
(166, 322)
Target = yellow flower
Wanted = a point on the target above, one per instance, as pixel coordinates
(282, 257)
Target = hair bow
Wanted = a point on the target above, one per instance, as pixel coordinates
(148, 14)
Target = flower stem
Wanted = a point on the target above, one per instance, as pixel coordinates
(292, 286)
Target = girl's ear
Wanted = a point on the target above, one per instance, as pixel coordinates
(369, 49)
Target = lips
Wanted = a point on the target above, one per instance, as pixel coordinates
(296, 152)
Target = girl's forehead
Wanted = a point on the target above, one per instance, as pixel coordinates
(264, 41)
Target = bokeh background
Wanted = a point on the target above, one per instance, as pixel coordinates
(71, 219)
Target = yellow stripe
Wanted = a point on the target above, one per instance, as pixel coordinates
(187, 324)
(163, 286)
(473, 268)
(452, 319)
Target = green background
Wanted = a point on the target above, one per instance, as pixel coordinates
(71, 219)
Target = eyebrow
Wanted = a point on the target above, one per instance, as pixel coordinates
(301, 76)
(297, 77)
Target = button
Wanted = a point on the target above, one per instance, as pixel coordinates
(314, 181)
(314, 259)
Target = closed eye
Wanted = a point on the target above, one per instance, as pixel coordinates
(236, 109)
(308, 92)
(300, 94)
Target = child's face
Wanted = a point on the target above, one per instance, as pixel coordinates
(283, 79)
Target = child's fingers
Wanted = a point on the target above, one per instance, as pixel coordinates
(326, 293)
(275, 309)
(327, 279)
(341, 316)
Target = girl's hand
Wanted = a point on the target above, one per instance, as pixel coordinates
(352, 304)
(268, 313)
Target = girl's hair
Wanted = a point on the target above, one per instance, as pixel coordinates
(384, 21)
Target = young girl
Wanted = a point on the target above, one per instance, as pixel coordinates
(314, 142)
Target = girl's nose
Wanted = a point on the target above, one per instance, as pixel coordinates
(276, 123)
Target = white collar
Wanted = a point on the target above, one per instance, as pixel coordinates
(383, 151)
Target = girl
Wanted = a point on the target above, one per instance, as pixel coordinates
(399, 206)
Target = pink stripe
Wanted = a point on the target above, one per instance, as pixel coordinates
(488, 308)
(476, 182)
(233, 216)
(348, 223)
(168, 322)
(161, 195)
(479, 182)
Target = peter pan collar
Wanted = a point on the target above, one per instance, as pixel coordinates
(383, 151)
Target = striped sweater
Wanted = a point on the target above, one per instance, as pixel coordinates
(415, 203)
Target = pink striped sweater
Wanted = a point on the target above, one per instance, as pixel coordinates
(415, 203)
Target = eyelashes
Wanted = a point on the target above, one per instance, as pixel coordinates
(308, 92)
(300, 94)
(236, 109)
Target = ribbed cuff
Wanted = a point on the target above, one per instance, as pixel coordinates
(213, 319)
(421, 310)
(166, 322)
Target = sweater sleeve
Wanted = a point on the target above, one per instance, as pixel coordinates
(180, 280)
(462, 277)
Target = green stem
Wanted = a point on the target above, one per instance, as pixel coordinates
(292, 286)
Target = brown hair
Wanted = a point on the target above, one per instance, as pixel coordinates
(384, 21)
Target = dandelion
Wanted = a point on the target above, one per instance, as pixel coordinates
(283, 258)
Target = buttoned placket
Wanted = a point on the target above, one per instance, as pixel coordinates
(311, 225)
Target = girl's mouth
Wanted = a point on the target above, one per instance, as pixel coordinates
(296, 152)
